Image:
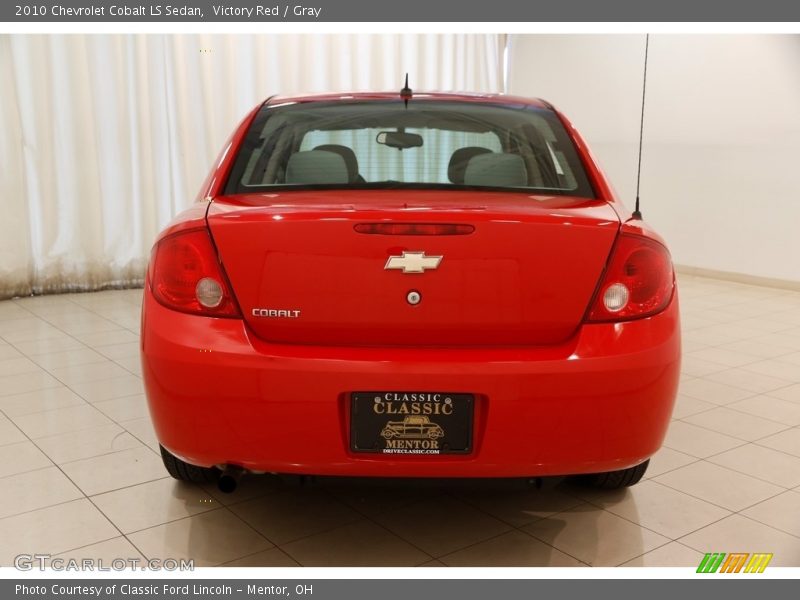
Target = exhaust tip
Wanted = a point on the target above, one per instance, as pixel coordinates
(536, 482)
(227, 484)
(229, 479)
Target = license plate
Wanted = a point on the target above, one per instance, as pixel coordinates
(411, 422)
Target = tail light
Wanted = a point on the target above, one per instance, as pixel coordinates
(637, 283)
(185, 275)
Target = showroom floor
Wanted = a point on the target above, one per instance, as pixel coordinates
(81, 475)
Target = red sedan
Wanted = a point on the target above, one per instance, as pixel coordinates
(357, 262)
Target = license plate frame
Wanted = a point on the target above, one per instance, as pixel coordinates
(411, 423)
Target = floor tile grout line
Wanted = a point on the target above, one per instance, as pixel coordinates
(49, 506)
(699, 412)
(128, 486)
(73, 431)
(77, 487)
(756, 442)
(590, 503)
(535, 519)
(738, 513)
(790, 350)
(219, 506)
(604, 509)
(749, 397)
(769, 394)
(363, 518)
(77, 393)
(737, 339)
(78, 333)
(499, 535)
(34, 470)
(520, 529)
(672, 487)
(253, 529)
(27, 438)
(72, 336)
(752, 393)
(643, 554)
(528, 533)
(58, 465)
(116, 537)
(738, 445)
(131, 371)
(69, 385)
(115, 526)
(268, 493)
(370, 519)
(777, 449)
(717, 405)
(278, 548)
(764, 523)
(727, 367)
(683, 420)
(706, 459)
(358, 509)
(711, 524)
(696, 460)
(326, 530)
(111, 453)
(66, 408)
(145, 444)
(744, 412)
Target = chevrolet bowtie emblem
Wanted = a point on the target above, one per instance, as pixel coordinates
(413, 262)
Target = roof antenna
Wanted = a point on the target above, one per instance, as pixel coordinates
(405, 93)
(637, 214)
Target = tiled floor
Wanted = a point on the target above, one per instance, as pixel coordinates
(81, 476)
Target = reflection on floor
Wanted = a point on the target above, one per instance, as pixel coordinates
(81, 476)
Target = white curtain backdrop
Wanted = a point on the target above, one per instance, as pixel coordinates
(104, 138)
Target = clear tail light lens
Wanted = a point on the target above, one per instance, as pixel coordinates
(185, 275)
(638, 281)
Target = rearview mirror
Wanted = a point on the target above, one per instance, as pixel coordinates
(399, 140)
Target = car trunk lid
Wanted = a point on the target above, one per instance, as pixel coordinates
(385, 267)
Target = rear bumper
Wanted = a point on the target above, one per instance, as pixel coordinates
(600, 402)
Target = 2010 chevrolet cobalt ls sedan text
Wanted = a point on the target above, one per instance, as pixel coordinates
(435, 285)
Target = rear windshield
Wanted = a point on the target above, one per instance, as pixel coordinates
(426, 144)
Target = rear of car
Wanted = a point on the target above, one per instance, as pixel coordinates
(437, 287)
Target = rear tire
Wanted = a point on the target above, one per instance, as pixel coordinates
(615, 480)
(183, 471)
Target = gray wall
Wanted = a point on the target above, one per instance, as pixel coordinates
(721, 158)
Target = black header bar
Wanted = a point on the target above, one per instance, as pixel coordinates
(454, 11)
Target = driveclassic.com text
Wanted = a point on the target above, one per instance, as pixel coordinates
(168, 10)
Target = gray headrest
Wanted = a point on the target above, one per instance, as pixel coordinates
(347, 154)
(316, 166)
(459, 161)
(497, 170)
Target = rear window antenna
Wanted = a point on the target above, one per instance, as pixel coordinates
(406, 94)
(637, 214)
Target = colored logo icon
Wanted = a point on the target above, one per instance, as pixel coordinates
(736, 562)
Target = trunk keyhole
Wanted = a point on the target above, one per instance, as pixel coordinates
(414, 297)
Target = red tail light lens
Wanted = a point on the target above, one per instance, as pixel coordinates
(185, 275)
(638, 281)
